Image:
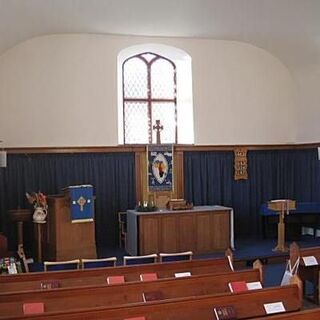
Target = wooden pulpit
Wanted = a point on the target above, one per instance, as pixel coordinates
(66, 240)
(282, 207)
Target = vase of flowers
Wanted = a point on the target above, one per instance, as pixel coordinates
(39, 202)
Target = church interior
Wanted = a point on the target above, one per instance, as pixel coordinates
(159, 159)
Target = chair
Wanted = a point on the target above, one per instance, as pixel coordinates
(61, 265)
(98, 263)
(177, 256)
(122, 219)
(150, 258)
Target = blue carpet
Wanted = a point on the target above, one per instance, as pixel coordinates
(245, 249)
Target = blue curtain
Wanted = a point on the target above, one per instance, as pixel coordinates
(274, 174)
(111, 174)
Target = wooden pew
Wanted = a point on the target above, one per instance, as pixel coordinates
(109, 295)
(247, 304)
(76, 278)
(312, 314)
(310, 273)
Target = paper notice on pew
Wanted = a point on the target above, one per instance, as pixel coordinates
(310, 261)
(254, 285)
(274, 307)
(182, 274)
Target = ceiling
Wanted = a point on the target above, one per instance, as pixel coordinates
(289, 29)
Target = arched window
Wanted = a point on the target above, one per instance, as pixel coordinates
(149, 92)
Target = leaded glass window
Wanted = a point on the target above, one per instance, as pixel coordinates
(149, 94)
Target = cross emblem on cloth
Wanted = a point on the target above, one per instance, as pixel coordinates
(81, 202)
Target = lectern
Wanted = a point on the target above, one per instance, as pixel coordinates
(66, 240)
(282, 207)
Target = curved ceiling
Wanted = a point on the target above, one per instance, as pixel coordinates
(289, 29)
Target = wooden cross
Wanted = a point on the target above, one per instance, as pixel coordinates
(159, 128)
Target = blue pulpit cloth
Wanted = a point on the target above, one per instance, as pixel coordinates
(81, 205)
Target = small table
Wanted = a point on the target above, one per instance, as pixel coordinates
(20, 216)
(283, 207)
(38, 226)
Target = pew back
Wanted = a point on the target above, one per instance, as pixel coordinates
(107, 295)
(247, 304)
(312, 314)
(76, 278)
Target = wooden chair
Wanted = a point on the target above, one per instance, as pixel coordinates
(98, 263)
(177, 256)
(61, 265)
(150, 258)
(122, 220)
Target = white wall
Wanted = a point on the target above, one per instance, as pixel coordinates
(308, 113)
(61, 90)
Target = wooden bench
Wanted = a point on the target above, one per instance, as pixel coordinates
(247, 304)
(107, 295)
(76, 278)
(307, 273)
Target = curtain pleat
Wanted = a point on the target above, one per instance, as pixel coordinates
(274, 174)
(111, 174)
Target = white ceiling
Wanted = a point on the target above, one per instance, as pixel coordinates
(289, 29)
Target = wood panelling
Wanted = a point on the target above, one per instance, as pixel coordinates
(149, 234)
(186, 233)
(168, 239)
(204, 233)
(66, 240)
(200, 230)
(141, 148)
(220, 225)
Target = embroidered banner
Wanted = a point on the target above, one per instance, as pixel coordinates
(81, 206)
(160, 167)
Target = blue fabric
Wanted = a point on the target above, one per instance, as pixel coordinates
(79, 210)
(140, 261)
(301, 208)
(273, 174)
(176, 258)
(98, 264)
(111, 174)
(60, 267)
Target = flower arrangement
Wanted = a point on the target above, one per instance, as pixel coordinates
(146, 207)
(38, 200)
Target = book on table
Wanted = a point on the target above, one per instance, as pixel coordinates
(33, 307)
(225, 313)
(152, 296)
(148, 276)
(237, 286)
(115, 279)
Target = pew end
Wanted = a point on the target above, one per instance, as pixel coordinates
(229, 255)
(297, 281)
(257, 264)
